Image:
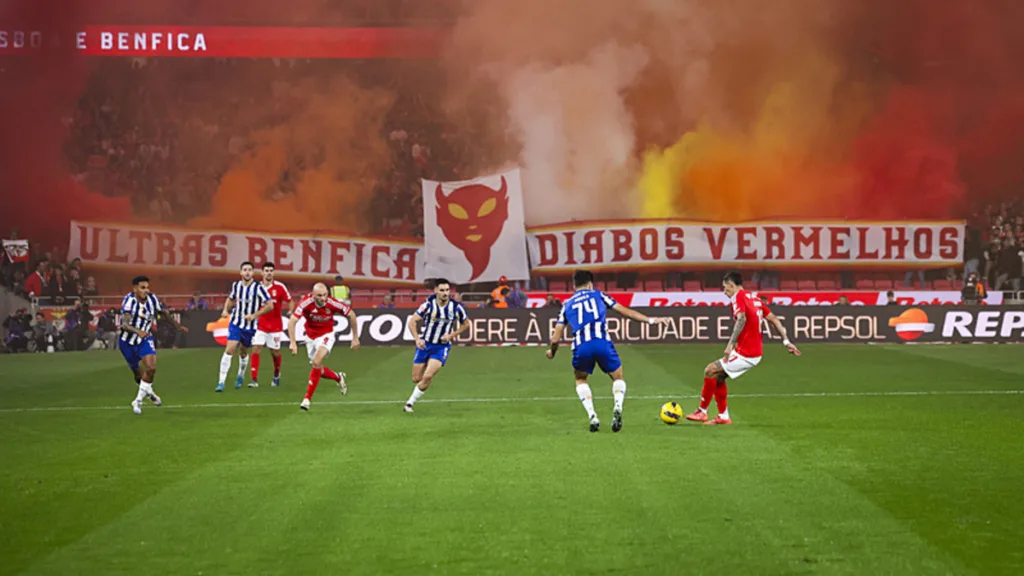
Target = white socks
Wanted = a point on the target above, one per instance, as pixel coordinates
(243, 365)
(225, 365)
(724, 415)
(416, 395)
(145, 389)
(619, 393)
(587, 398)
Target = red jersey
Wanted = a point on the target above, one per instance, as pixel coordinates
(749, 343)
(272, 321)
(320, 321)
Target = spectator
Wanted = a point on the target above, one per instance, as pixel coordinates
(73, 283)
(78, 334)
(44, 333)
(389, 302)
(973, 252)
(991, 258)
(516, 298)
(340, 291)
(1009, 265)
(197, 302)
(552, 302)
(107, 329)
(18, 284)
(19, 328)
(890, 299)
(500, 292)
(36, 281)
(90, 288)
(844, 301)
(57, 289)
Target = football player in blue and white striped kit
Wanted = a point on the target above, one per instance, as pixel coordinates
(138, 310)
(445, 319)
(585, 314)
(247, 301)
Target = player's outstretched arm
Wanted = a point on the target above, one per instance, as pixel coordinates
(292, 321)
(638, 316)
(412, 325)
(774, 321)
(556, 338)
(353, 321)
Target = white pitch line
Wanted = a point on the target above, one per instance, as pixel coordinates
(526, 399)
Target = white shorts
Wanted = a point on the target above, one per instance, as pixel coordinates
(736, 365)
(270, 340)
(325, 341)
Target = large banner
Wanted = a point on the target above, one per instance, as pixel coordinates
(312, 255)
(473, 230)
(230, 41)
(779, 298)
(713, 325)
(665, 244)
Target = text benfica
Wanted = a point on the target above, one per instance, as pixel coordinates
(112, 41)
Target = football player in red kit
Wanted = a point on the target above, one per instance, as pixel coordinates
(319, 310)
(742, 353)
(270, 326)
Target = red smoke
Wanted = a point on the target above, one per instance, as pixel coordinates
(38, 195)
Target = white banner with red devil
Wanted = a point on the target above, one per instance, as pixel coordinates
(474, 230)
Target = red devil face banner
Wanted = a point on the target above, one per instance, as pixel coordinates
(474, 230)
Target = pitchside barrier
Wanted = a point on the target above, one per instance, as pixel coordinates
(837, 324)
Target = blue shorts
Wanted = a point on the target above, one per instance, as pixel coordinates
(239, 335)
(599, 352)
(134, 353)
(437, 352)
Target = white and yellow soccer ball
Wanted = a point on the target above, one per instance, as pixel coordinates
(671, 413)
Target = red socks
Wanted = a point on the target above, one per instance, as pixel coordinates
(328, 373)
(254, 368)
(707, 393)
(314, 379)
(721, 394)
(277, 365)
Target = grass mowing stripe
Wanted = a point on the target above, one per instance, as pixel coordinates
(529, 399)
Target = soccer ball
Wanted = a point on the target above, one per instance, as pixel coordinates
(671, 413)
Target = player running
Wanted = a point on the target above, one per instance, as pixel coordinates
(742, 353)
(585, 313)
(270, 326)
(248, 301)
(138, 310)
(319, 310)
(445, 319)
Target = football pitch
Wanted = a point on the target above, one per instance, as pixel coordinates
(849, 460)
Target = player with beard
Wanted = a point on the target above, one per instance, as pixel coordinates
(270, 326)
(319, 310)
(741, 354)
(444, 320)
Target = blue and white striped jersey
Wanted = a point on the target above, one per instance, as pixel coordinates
(140, 315)
(585, 313)
(440, 320)
(248, 300)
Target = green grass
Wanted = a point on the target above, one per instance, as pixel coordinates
(853, 480)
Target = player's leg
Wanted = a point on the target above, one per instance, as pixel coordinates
(275, 353)
(132, 358)
(324, 350)
(254, 366)
(145, 355)
(425, 365)
(583, 363)
(713, 373)
(612, 366)
(244, 345)
(229, 352)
